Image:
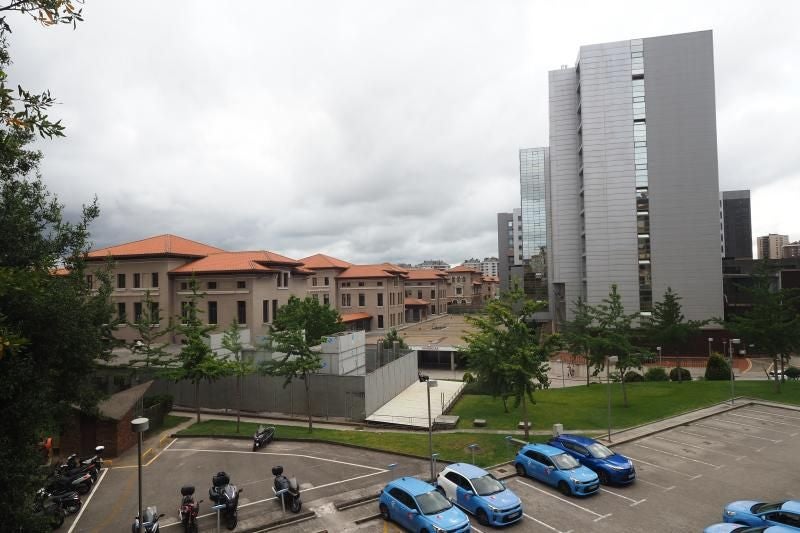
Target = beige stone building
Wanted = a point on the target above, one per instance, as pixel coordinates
(321, 285)
(465, 286)
(372, 296)
(425, 294)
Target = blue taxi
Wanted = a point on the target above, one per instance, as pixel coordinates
(557, 468)
(610, 466)
(418, 506)
(478, 492)
(755, 513)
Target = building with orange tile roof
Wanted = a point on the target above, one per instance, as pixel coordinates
(464, 288)
(376, 290)
(428, 286)
(321, 284)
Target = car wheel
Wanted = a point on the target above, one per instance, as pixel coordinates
(483, 519)
(385, 512)
(603, 476)
(563, 486)
(520, 470)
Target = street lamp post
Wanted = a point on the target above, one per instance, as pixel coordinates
(710, 340)
(609, 360)
(563, 384)
(428, 384)
(658, 348)
(140, 425)
(730, 347)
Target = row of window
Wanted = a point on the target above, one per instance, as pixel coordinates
(395, 298)
(138, 312)
(640, 168)
(122, 281)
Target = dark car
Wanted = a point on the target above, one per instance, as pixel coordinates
(609, 466)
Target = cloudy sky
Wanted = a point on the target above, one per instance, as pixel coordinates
(368, 130)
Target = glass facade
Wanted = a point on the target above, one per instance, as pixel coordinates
(533, 181)
(642, 178)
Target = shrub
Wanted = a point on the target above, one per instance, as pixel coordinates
(632, 377)
(685, 375)
(717, 368)
(792, 372)
(656, 373)
(156, 399)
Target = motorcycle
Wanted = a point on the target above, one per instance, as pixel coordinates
(68, 500)
(149, 522)
(80, 482)
(52, 510)
(286, 489)
(189, 509)
(263, 436)
(223, 493)
(92, 464)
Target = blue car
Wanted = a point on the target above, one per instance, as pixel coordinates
(738, 528)
(610, 467)
(557, 468)
(418, 507)
(755, 513)
(478, 492)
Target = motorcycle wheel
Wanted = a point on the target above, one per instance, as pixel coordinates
(57, 519)
(233, 519)
(296, 504)
(255, 446)
(73, 508)
(84, 488)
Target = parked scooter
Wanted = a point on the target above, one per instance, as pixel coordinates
(223, 493)
(263, 436)
(149, 522)
(80, 482)
(291, 496)
(52, 510)
(68, 500)
(92, 464)
(189, 509)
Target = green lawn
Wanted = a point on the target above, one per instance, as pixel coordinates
(450, 446)
(170, 421)
(586, 407)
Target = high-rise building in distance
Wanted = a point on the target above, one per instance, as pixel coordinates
(737, 235)
(534, 170)
(771, 246)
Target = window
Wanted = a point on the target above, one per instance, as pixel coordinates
(644, 248)
(391, 298)
(391, 320)
(327, 281)
(241, 284)
(380, 299)
(286, 279)
(380, 321)
(314, 281)
(326, 299)
(346, 300)
(154, 314)
(185, 312)
(643, 224)
(433, 309)
(274, 309)
(121, 310)
(315, 296)
(241, 312)
(137, 281)
(433, 294)
(380, 284)
(154, 280)
(265, 311)
(137, 311)
(120, 281)
(395, 282)
(89, 281)
(211, 285)
(362, 300)
(212, 312)
(184, 285)
(419, 295)
(642, 200)
(360, 283)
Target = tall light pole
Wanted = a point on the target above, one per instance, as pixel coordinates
(659, 355)
(730, 347)
(140, 425)
(609, 361)
(428, 384)
(710, 340)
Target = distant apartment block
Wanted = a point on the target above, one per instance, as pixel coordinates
(435, 264)
(791, 250)
(488, 265)
(771, 246)
(633, 186)
(509, 248)
(735, 225)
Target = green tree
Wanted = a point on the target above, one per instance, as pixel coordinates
(149, 352)
(667, 327)
(52, 325)
(298, 327)
(507, 353)
(197, 361)
(232, 341)
(717, 368)
(388, 340)
(578, 334)
(615, 336)
(773, 321)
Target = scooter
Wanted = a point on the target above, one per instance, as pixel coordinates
(223, 493)
(68, 500)
(189, 509)
(52, 510)
(92, 464)
(81, 482)
(286, 489)
(149, 522)
(263, 436)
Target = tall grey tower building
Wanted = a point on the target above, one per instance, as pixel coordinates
(737, 234)
(633, 175)
(534, 169)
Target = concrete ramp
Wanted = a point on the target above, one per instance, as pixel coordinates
(410, 407)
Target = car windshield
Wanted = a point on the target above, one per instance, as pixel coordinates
(486, 485)
(432, 503)
(565, 462)
(599, 451)
(766, 507)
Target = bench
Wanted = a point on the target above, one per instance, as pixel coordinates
(479, 423)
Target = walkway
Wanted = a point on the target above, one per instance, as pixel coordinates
(410, 407)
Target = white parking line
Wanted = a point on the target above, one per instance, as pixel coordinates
(662, 487)
(635, 502)
(678, 456)
(741, 433)
(765, 420)
(760, 428)
(772, 414)
(281, 454)
(704, 448)
(599, 516)
(709, 437)
(86, 503)
(548, 526)
(684, 474)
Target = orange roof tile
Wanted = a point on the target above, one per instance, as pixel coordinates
(462, 268)
(415, 301)
(160, 245)
(352, 317)
(477, 283)
(248, 261)
(384, 270)
(426, 274)
(491, 279)
(321, 261)
(60, 272)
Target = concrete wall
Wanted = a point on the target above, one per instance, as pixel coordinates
(388, 381)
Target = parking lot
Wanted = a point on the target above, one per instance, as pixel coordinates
(684, 477)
